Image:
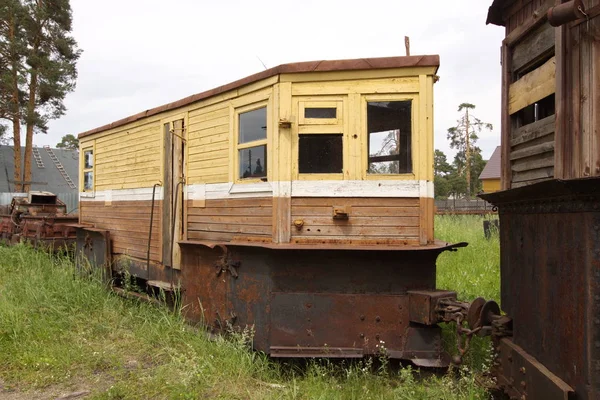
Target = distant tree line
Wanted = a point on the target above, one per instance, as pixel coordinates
(38, 59)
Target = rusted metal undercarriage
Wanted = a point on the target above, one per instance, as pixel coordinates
(309, 301)
(550, 280)
(39, 218)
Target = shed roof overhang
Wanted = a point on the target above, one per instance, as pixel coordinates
(496, 12)
(360, 64)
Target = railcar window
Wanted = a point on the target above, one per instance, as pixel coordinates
(320, 153)
(320, 112)
(389, 126)
(252, 147)
(88, 170)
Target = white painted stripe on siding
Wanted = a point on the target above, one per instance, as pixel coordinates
(382, 188)
(220, 191)
(140, 194)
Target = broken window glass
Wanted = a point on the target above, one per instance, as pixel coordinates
(389, 127)
(88, 159)
(88, 180)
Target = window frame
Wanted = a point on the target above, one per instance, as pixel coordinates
(320, 126)
(304, 104)
(414, 137)
(84, 170)
(247, 145)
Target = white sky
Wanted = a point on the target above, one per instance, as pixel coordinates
(139, 54)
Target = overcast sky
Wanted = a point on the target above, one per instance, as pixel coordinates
(138, 54)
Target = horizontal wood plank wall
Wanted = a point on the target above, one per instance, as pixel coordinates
(248, 219)
(208, 144)
(532, 77)
(128, 158)
(371, 220)
(129, 224)
(532, 152)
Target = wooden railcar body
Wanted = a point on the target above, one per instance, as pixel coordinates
(549, 208)
(273, 202)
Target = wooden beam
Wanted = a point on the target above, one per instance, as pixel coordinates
(536, 130)
(536, 45)
(505, 172)
(560, 126)
(532, 150)
(533, 87)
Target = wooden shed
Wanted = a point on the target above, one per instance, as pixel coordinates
(550, 80)
(549, 212)
(270, 199)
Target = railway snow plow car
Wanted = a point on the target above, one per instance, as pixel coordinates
(549, 207)
(298, 201)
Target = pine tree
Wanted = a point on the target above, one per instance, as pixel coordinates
(13, 47)
(463, 137)
(37, 70)
(51, 59)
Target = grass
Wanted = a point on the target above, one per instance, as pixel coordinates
(60, 332)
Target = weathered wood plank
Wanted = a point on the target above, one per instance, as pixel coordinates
(531, 151)
(362, 221)
(535, 46)
(530, 163)
(231, 219)
(233, 211)
(574, 134)
(541, 173)
(505, 171)
(532, 87)
(339, 230)
(363, 211)
(561, 150)
(370, 241)
(230, 228)
(356, 201)
(533, 142)
(538, 129)
(250, 203)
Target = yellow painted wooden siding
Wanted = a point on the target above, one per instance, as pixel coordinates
(208, 144)
(127, 158)
(353, 95)
(491, 185)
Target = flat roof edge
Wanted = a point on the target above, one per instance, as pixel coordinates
(300, 67)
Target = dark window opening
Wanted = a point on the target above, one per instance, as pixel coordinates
(253, 125)
(535, 112)
(321, 154)
(320, 113)
(253, 162)
(389, 125)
